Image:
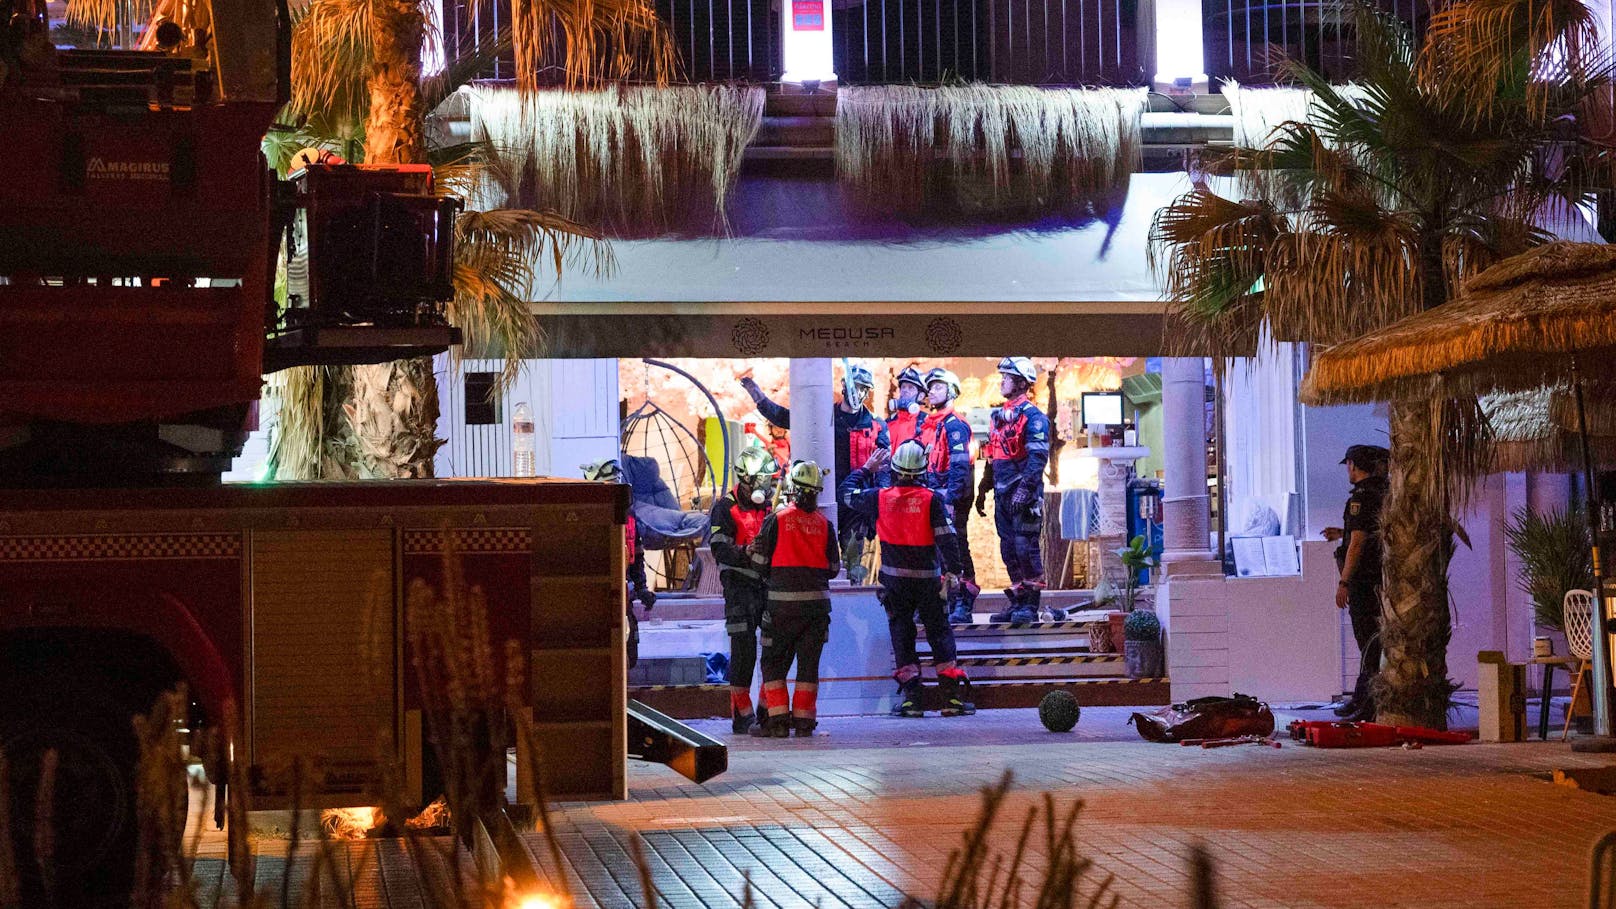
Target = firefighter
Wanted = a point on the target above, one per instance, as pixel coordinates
(904, 422)
(736, 518)
(911, 522)
(858, 433)
(796, 554)
(609, 471)
(1018, 449)
(950, 471)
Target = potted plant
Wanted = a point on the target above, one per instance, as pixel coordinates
(1135, 557)
(1142, 649)
(1553, 550)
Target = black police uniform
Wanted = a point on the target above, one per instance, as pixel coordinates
(1362, 513)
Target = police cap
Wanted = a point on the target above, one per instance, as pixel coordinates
(1365, 456)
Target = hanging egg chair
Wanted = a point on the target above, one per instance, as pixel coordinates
(674, 484)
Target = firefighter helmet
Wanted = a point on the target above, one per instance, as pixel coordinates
(909, 460)
(859, 377)
(1020, 367)
(948, 379)
(911, 376)
(754, 464)
(608, 471)
(806, 475)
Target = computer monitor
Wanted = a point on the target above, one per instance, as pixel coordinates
(1102, 408)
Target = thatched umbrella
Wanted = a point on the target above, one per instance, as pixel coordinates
(1536, 429)
(1545, 318)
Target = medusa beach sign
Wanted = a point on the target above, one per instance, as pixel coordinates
(682, 334)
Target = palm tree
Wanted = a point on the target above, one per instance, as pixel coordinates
(359, 89)
(1432, 165)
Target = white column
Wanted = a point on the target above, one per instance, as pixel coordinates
(1185, 512)
(806, 46)
(813, 430)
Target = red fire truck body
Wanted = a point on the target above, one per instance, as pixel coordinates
(284, 604)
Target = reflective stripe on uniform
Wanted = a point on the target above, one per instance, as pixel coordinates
(911, 572)
(743, 572)
(798, 595)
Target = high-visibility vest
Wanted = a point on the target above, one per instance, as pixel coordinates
(903, 516)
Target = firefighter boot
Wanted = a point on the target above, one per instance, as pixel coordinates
(741, 723)
(804, 726)
(959, 610)
(911, 697)
(1012, 598)
(779, 725)
(956, 691)
(1034, 594)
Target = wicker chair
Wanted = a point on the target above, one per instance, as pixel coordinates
(1577, 615)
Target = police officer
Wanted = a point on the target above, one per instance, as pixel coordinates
(796, 554)
(1358, 558)
(950, 471)
(609, 471)
(736, 518)
(1018, 450)
(904, 422)
(911, 522)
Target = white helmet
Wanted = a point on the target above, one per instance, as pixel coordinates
(909, 460)
(948, 379)
(1021, 367)
(607, 471)
(807, 475)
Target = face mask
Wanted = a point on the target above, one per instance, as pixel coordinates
(759, 497)
(907, 395)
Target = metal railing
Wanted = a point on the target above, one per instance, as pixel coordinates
(725, 40)
(1246, 39)
(1027, 42)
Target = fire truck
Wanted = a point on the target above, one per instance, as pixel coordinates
(140, 237)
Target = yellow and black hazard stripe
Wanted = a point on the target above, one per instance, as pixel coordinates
(1040, 660)
(1005, 626)
(1056, 683)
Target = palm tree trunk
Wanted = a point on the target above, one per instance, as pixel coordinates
(1417, 540)
(394, 415)
(395, 130)
(394, 406)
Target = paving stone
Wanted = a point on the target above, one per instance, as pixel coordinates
(870, 811)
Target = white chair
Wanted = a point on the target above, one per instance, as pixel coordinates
(1577, 615)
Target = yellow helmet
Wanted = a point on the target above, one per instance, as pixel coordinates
(807, 475)
(754, 464)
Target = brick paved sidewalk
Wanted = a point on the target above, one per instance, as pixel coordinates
(869, 811)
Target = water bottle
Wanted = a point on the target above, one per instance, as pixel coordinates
(522, 442)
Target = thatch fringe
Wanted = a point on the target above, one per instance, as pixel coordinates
(1514, 328)
(1071, 142)
(632, 160)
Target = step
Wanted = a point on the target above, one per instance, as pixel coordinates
(700, 701)
(799, 104)
(797, 132)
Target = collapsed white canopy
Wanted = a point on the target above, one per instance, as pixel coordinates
(1083, 290)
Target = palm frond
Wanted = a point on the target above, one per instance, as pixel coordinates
(1494, 52)
(331, 58)
(108, 15)
(1211, 254)
(499, 256)
(463, 68)
(590, 42)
